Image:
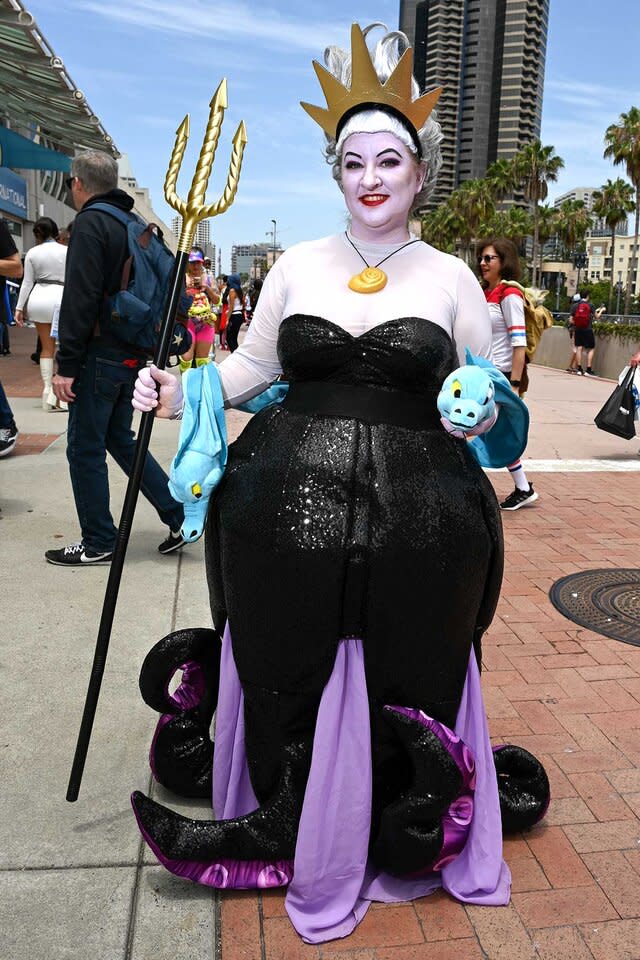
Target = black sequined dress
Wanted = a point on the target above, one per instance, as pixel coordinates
(325, 527)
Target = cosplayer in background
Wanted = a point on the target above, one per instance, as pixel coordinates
(498, 263)
(201, 322)
(354, 556)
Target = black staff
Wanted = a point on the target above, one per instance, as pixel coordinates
(192, 211)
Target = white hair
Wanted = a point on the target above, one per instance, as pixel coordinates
(385, 57)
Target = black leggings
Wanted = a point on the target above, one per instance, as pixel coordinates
(233, 329)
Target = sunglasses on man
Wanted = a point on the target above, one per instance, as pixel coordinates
(487, 258)
(69, 182)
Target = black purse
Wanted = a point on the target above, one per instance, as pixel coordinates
(617, 414)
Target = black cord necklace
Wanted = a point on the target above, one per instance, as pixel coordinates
(372, 279)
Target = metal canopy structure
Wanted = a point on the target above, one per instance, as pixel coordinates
(36, 93)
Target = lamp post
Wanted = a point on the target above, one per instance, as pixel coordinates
(274, 240)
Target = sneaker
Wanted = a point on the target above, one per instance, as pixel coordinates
(589, 373)
(8, 437)
(580, 372)
(174, 541)
(77, 555)
(519, 498)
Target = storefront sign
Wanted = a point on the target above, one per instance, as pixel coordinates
(13, 193)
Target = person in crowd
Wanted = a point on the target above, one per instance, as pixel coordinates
(223, 287)
(201, 318)
(582, 316)
(236, 310)
(65, 234)
(498, 263)
(10, 267)
(573, 359)
(40, 298)
(354, 545)
(96, 371)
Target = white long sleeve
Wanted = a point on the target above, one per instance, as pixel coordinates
(28, 281)
(312, 279)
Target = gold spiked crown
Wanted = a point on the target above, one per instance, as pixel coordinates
(367, 92)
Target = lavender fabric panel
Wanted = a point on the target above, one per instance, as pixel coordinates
(333, 838)
(479, 874)
(233, 794)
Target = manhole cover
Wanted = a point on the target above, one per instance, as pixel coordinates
(606, 601)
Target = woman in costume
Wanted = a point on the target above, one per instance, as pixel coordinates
(201, 319)
(40, 297)
(354, 554)
(498, 263)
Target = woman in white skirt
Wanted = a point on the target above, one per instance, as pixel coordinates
(40, 296)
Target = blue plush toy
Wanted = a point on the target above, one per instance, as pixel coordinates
(471, 396)
(467, 398)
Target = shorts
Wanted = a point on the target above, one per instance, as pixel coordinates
(200, 332)
(584, 337)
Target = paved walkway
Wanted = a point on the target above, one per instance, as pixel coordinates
(78, 883)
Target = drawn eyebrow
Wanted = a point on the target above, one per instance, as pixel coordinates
(352, 153)
(389, 150)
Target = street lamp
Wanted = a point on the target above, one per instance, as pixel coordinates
(274, 240)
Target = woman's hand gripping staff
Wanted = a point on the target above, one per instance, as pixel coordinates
(166, 401)
(476, 402)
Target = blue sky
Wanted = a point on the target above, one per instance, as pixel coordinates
(143, 64)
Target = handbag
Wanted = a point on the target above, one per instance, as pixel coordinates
(617, 415)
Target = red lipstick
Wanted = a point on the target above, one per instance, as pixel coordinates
(373, 199)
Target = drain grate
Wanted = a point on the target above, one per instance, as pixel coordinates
(606, 601)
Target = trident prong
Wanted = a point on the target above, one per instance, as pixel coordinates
(171, 180)
(193, 210)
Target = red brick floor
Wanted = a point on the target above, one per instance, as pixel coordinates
(30, 443)
(570, 696)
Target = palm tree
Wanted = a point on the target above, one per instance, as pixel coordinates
(612, 203)
(514, 223)
(535, 167)
(622, 141)
(547, 228)
(572, 225)
(501, 178)
(471, 203)
(441, 228)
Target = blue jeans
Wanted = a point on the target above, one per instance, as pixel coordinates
(6, 415)
(100, 422)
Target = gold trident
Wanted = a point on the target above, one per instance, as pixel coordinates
(194, 210)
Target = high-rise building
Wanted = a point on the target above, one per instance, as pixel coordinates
(489, 56)
(254, 259)
(202, 237)
(599, 228)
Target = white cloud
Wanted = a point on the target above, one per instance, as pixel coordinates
(222, 21)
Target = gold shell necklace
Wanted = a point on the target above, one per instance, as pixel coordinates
(372, 279)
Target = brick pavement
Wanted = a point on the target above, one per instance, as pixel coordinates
(570, 696)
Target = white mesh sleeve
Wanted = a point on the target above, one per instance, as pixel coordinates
(472, 324)
(254, 365)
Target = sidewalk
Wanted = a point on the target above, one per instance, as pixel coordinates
(78, 884)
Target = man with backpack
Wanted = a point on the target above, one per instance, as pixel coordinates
(97, 367)
(582, 317)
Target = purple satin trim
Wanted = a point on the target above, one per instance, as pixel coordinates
(457, 820)
(225, 874)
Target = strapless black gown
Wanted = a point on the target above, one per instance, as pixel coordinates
(327, 526)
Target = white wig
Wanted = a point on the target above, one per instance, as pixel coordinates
(385, 57)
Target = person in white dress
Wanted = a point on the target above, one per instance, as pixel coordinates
(40, 297)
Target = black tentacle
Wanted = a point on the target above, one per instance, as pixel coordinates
(523, 787)
(181, 753)
(411, 834)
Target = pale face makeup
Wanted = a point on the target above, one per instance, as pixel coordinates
(380, 179)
